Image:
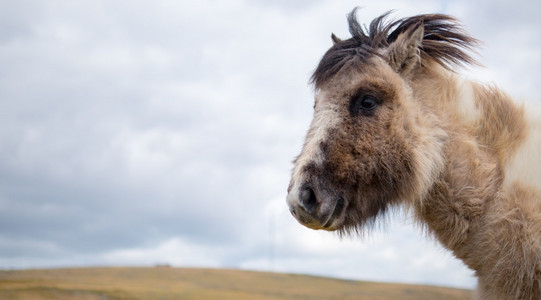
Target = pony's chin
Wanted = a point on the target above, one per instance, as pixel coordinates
(336, 218)
(333, 220)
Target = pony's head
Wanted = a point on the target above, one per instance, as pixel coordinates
(370, 144)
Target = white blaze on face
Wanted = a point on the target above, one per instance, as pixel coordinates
(325, 117)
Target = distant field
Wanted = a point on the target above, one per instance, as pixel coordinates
(183, 283)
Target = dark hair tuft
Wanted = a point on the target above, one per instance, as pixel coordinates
(444, 41)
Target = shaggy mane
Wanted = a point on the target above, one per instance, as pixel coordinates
(444, 41)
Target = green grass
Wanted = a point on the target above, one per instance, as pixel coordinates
(165, 283)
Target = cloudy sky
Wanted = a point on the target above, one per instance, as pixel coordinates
(153, 132)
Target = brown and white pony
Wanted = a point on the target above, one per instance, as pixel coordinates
(395, 125)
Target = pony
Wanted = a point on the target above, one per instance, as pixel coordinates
(396, 125)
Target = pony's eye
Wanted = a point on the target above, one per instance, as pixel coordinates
(368, 102)
(364, 104)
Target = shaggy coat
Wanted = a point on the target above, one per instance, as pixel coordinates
(394, 125)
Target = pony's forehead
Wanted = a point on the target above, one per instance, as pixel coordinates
(355, 74)
(339, 60)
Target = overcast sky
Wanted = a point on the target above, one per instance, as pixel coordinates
(154, 132)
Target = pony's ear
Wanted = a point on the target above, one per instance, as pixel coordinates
(404, 52)
(335, 39)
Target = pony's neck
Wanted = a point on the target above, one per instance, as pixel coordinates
(484, 127)
(481, 112)
(471, 112)
(485, 204)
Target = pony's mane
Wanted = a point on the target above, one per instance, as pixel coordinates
(444, 41)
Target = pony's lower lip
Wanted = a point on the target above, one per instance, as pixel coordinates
(336, 212)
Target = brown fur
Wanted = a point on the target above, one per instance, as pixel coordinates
(434, 142)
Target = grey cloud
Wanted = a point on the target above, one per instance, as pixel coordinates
(126, 125)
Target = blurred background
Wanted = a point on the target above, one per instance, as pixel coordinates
(140, 133)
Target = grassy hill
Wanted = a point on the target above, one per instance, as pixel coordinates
(184, 283)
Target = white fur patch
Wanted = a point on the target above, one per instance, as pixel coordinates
(429, 157)
(524, 166)
(324, 118)
(467, 107)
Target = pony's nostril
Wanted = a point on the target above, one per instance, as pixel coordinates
(308, 199)
(293, 212)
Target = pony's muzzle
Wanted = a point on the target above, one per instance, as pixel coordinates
(313, 211)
